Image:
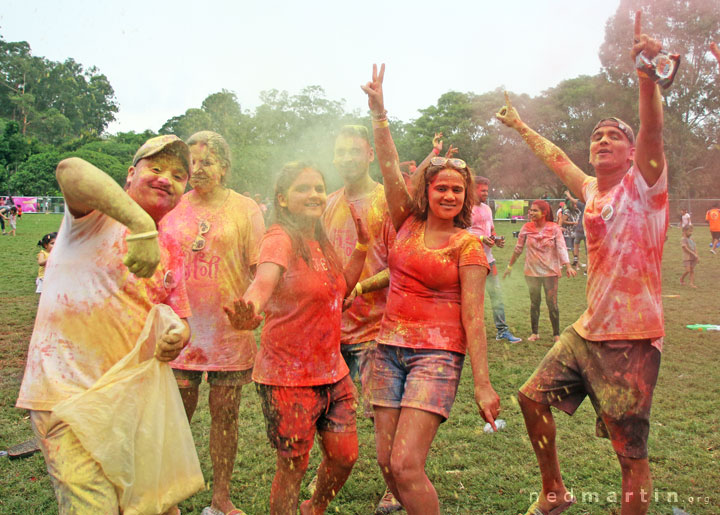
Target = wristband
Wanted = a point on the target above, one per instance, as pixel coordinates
(142, 236)
(379, 116)
(482, 239)
(509, 267)
(358, 289)
(436, 151)
(362, 247)
(380, 124)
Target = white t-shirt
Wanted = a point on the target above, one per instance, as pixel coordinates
(93, 309)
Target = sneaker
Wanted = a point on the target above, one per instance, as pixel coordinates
(712, 250)
(388, 504)
(507, 335)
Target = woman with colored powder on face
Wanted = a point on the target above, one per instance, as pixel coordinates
(219, 231)
(437, 284)
(301, 377)
(546, 256)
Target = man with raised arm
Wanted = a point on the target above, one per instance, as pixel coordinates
(612, 353)
(109, 267)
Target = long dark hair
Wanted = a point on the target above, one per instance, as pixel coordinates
(287, 176)
(422, 180)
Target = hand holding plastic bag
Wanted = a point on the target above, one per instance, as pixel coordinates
(133, 423)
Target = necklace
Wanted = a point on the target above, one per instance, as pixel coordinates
(205, 224)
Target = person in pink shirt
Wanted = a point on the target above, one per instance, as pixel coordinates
(219, 231)
(546, 256)
(612, 353)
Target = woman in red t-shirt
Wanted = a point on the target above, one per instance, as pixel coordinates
(546, 255)
(434, 314)
(301, 377)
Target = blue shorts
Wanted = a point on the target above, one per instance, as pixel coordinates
(425, 379)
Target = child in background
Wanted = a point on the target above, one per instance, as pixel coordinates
(12, 219)
(690, 256)
(46, 244)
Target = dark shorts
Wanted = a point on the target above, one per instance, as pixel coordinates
(618, 376)
(425, 379)
(715, 235)
(193, 378)
(359, 357)
(578, 237)
(569, 242)
(293, 414)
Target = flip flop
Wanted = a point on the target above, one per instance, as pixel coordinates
(534, 508)
(23, 450)
(209, 510)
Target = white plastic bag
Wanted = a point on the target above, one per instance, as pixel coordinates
(132, 422)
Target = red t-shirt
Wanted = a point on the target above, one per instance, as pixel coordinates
(423, 307)
(300, 341)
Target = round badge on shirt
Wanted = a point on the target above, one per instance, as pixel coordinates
(607, 212)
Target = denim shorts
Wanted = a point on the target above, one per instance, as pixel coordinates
(359, 357)
(425, 379)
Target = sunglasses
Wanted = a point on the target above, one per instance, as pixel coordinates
(199, 242)
(454, 162)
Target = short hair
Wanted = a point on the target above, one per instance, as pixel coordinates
(216, 143)
(359, 131)
(688, 227)
(479, 179)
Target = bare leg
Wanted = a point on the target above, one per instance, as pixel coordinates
(636, 485)
(340, 452)
(386, 420)
(540, 426)
(415, 432)
(189, 397)
(286, 484)
(224, 405)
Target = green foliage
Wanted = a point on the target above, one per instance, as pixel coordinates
(36, 176)
(109, 164)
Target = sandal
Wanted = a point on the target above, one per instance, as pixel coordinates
(534, 508)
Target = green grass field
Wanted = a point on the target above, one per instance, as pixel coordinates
(474, 473)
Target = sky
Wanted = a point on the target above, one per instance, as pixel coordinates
(164, 57)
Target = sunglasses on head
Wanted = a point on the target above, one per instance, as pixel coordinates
(454, 162)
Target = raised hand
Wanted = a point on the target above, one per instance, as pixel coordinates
(242, 316)
(508, 115)
(451, 151)
(437, 142)
(143, 257)
(363, 237)
(715, 51)
(373, 90)
(642, 42)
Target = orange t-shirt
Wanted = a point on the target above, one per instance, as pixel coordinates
(625, 229)
(713, 218)
(546, 249)
(361, 322)
(423, 307)
(215, 276)
(300, 341)
(93, 309)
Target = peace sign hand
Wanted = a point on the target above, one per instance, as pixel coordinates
(373, 90)
(508, 115)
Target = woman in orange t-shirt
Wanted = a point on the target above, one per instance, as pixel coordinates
(300, 374)
(546, 255)
(433, 314)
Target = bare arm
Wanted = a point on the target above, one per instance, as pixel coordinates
(87, 188)
(398, 199)
(437, 147)
(715, 51)
(551, 155)
(649, 149)
(515, 255)
(472, 284)
(354, 266)
(41, 259)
